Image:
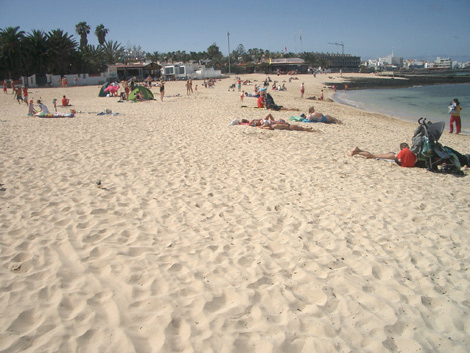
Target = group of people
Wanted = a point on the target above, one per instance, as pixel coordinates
(269, 123)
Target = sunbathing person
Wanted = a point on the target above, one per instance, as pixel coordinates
(269, 123)
(317, 117)
(278, 125)
(404, 158)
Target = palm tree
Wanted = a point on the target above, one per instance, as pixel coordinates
(37, 50)
(11, 53)
(61, 48)
(155, 56)
(101, 33)
(82, 30)
(93, 59)
(112, 52)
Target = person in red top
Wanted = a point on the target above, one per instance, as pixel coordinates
(65, 101)
(404, 158)
(25, 94)
(261, 101)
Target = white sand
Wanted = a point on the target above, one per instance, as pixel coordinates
(206, 237)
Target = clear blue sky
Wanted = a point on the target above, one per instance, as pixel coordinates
(368, 28)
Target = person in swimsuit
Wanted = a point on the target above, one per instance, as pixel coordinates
(317, 117)
(162, 90)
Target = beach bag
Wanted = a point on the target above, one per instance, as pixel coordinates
(426, 147)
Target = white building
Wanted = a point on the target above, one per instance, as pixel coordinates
(185, 71)
(442, 63)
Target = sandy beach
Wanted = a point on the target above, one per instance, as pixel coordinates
(207, 237)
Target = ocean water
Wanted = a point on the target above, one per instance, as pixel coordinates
(412, 103)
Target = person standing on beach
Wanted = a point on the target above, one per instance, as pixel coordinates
(162, 90)
(302, 90)
(5, 86)
(455, 109)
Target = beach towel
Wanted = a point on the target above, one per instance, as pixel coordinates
(55, 115)
(296, 118)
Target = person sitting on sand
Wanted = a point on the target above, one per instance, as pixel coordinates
(43, 107)
(317, 117)
(404, 158)
(139, 96)
(31, 110)
(273, 106)
(261, 101)
(65, 101)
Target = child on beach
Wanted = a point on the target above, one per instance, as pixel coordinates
(19, 97)
(25, 94)
(302, 90)
(31, 110)
(54, 101)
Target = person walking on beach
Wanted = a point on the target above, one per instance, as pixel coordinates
(455, 109)
(5, 86)
(25, 94)
(302, 90)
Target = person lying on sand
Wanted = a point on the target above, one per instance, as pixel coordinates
(317, 117)
(269, 123)
(404, 158)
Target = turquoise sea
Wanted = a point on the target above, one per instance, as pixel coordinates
(412, 103)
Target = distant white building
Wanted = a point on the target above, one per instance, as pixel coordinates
(391, 60)
(183, 71)
(442, 63)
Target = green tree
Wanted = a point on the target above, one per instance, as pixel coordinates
(62, 47)
(82, 30)
(37, 50)
(101, 33)
(112, 52)
(11, 52)
(155, 56)
(240, 52)
(92, 59)
(214, 53)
